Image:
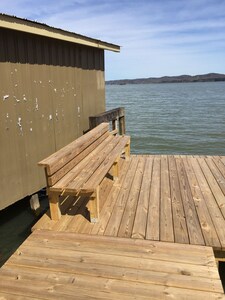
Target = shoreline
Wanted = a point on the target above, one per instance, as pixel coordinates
(211, 77)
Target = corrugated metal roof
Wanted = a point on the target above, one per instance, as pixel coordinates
(32, 27)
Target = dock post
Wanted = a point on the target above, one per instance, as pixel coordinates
(35, 204)
(114, 124)
(116, 116)
(54, 206)
(94, 206)
(115, 168)
(122, 129)
(127, 151)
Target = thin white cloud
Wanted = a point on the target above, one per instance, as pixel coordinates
(183, 33)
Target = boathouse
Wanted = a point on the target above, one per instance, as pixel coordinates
(51, 82)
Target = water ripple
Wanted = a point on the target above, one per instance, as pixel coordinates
(184, 118)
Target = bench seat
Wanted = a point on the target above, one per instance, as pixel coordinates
(80, 167)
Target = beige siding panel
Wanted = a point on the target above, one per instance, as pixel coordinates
(9, 163)
(48, 90)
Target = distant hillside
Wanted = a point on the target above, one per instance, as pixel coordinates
(171, 79)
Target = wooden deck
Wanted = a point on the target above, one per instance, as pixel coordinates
(178, 199)
(62, 265)
(157, 225)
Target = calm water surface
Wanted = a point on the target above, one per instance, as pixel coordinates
(184, 118)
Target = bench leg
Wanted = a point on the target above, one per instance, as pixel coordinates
(127, 151)
(54, 206)
(94, 206)
(115, 169)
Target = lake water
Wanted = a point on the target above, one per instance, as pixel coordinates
(175, 118)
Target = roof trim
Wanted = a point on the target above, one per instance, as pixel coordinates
(36, 28)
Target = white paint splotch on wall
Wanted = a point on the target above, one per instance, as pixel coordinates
(19, 123)
(36, 104)
(5, 97)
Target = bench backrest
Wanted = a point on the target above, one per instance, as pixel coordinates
(65, 159)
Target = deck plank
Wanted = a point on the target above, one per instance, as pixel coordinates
(127, 220)
(180, 226)
(132, 246)
(62, 263)
(210, 201)
(84, 271)
(118, 210)
(86, 254)
(152, 231)
(103, 289)
(140, 221)
(176, 198)
(220, 165)
(166, 217)
(207, 226)
(216, 173)
(193, 226)
(218, 194)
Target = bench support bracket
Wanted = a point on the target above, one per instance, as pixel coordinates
(94, 206)
(54, 206)
(127, 151)
(115, 169)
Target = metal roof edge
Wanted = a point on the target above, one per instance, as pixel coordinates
(18, 24)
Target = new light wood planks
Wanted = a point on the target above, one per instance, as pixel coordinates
(63, 265)
(178, 199)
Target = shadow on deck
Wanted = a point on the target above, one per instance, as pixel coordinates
(178, 199)
(156, 222)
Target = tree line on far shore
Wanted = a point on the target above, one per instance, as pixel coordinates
(211, 77)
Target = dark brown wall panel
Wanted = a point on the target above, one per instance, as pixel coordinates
(48, 90)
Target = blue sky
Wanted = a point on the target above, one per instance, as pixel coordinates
(157, 37)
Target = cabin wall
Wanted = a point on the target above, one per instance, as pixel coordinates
(48, 90)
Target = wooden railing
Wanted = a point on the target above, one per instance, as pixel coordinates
(116, 116)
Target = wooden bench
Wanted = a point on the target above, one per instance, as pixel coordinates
(79, 168)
